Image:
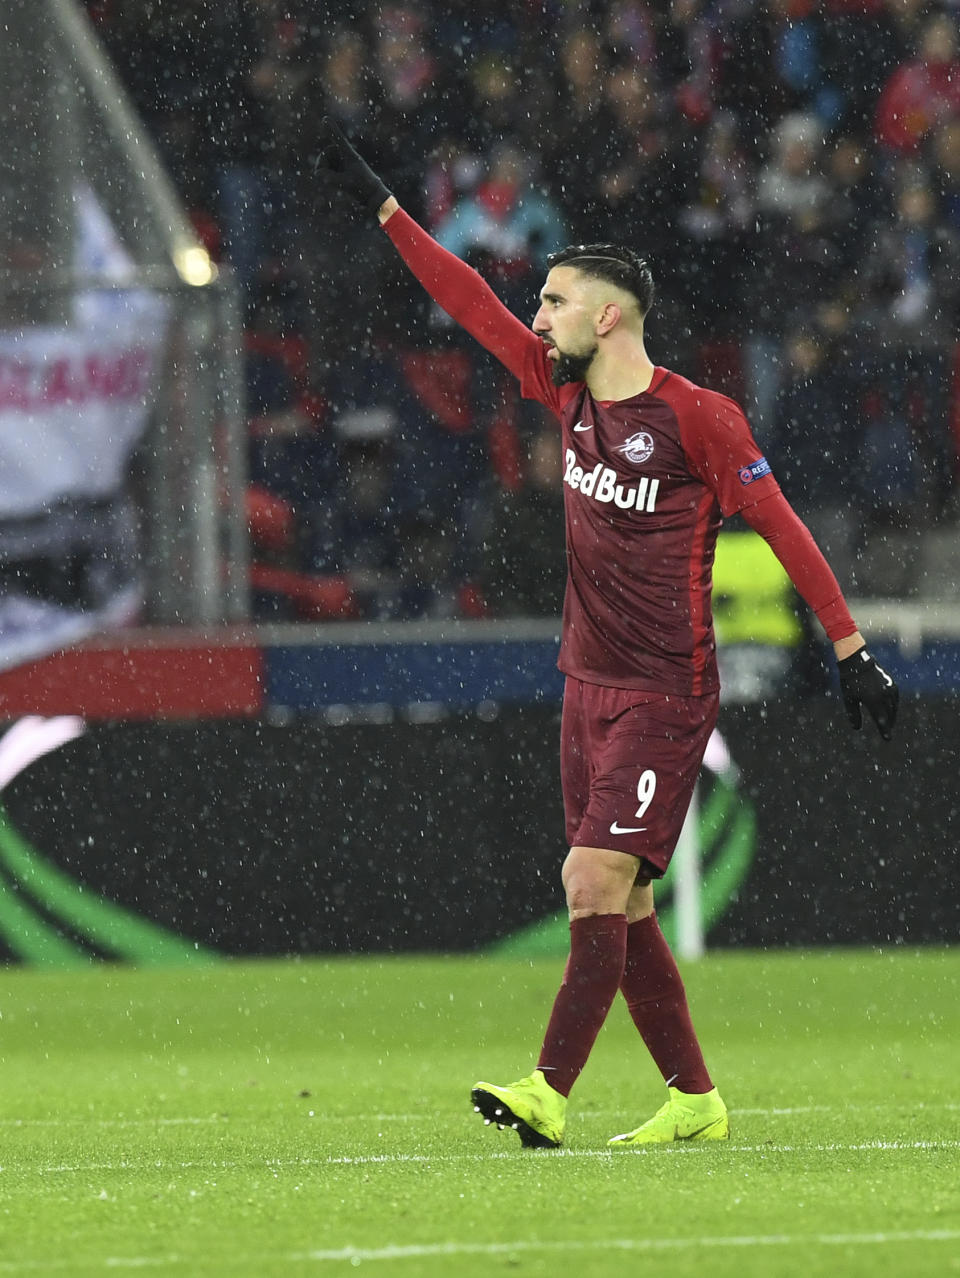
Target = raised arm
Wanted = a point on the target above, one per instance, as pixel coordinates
(463, 294)
(453, 285)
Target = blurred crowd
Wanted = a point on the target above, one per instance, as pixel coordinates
(790, 167)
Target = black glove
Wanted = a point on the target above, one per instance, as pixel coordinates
(864, 683)
(339, 162)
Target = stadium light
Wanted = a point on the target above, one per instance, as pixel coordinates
(194, 265)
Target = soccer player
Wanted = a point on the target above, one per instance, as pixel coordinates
(651, 463)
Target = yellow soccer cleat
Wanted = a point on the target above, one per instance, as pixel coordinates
(536, 1112)
(685, 1116)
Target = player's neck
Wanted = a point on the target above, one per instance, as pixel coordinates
(620, 371)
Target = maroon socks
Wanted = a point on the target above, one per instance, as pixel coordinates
(606, 955)
(595, 968)
(655, 996)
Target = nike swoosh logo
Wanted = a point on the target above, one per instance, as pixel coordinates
(580, 426)
(699, 1132)
(626, 829)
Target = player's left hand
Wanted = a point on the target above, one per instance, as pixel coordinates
(864, 683)
(339, 162)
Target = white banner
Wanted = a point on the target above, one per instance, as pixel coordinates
(73, 405)
(75, 402)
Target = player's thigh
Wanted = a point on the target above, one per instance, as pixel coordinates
(643, 773)
(575, 744)
(640, 902)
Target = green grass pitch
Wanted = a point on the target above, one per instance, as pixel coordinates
(313, 1118)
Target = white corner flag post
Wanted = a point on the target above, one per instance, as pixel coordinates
(686, 885)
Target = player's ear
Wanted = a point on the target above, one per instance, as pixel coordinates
(609, 318)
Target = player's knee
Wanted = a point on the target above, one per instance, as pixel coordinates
(582, 903)
(583, 891)
(594, 887)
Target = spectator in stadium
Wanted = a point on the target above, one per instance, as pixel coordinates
(673, 93)
(857, 201)
(629, 30)
(641, 165)
(475, 28)
(417, 94)
(442, 459)
(506, 218)
(867, 44)
(495, 91)
(945, 172)
(207, 80)
(350, 91)
(361, 531)
(151, 45)
(746, 80)
(713, 220)
(817, 443)
(641, 695)
(688, 43)
(923, 92)
(405, 65)
(524, 573)
(452, 173)
(910, 276)
(807, 60)
(904, 20)
(577, 111)
(907, 313)
(367, 531)
(291, 467)
(794, 258)
(407, 429)
(790, 185)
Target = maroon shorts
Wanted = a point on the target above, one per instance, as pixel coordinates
(628, 763)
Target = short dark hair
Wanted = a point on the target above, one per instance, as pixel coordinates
(613, 263)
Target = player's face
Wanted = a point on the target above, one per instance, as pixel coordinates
(565, 322)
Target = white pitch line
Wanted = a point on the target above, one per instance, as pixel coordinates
(681, 1149)
(847, 1109)
(753, 1112)
(111, 1122)
(746, 1112)
(355, 1255)
(629, 1244)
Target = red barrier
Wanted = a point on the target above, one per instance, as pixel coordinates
(140, 680)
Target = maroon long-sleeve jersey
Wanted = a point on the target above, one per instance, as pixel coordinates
(646, 483)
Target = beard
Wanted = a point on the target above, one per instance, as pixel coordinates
(571, 368)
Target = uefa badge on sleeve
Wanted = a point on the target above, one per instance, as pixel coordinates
(759, 468)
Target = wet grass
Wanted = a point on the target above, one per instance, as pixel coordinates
(311, 1117)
